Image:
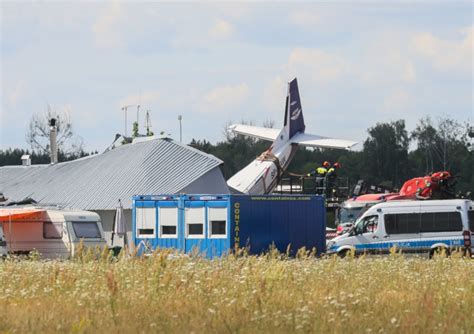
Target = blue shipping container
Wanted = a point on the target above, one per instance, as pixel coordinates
(216, 224)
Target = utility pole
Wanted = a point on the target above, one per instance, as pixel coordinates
(180, 117)
(138, 111)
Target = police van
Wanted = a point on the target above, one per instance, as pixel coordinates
(418, 227)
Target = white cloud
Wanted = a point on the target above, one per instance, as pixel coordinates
(446, 55)
(144, 98)
(106, 29)
(397, 102)
(387, 65)
(304, 18)
(316, 65)
(221, 30)
(199, 36)
(235, 10)
(227, 96)
(408, 73)
(15, 93)
(274, 94)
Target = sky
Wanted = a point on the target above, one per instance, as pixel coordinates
(357, 63)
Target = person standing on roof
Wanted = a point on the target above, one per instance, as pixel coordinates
(331, 180)
(320, 171)
(320, 176)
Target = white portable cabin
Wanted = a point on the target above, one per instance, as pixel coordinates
(54, 233)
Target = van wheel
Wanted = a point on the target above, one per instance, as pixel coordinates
(438, 251)
(344, 253)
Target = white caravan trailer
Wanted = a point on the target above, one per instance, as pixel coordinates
(54, 233)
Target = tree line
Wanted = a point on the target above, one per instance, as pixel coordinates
(390, 154)
(12, 156)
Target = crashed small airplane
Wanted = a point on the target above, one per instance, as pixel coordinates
(261, 176)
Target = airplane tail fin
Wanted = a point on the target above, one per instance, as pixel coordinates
(294, 120)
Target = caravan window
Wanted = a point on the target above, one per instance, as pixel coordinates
(194, 220)
(86, 230)
(145, 222)
(217, 222)
(52, 231)
(168, 222)
(441, 222)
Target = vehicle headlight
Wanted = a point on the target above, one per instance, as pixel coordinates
(330, 244)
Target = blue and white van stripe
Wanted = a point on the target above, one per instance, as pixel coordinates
(409, 245)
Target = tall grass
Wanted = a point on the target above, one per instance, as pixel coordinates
(247, 294)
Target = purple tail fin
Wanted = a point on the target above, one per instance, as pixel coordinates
(293, 111)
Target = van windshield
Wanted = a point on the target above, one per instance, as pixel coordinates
(86, 230)
(349, 215)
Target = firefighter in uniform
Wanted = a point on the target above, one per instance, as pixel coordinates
(331, 180)
(320, 176)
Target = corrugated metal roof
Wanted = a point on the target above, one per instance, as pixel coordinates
(156, 166)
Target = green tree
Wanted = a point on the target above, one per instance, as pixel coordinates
(386, 153)
(443, 146)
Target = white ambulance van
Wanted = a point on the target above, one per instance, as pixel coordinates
(53, 232)
(418, 227)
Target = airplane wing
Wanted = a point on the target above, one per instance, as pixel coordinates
(255, 131)
(306, 139)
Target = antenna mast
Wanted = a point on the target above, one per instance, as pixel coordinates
(124, 108)
(148, 123)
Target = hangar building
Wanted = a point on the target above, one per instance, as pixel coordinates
(97, 182)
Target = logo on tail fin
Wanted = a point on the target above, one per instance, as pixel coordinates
(295, 114)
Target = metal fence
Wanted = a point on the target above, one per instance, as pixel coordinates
(338, 187)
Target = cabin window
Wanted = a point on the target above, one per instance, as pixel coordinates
(367, 225)
(441, 222)
(168, 222)
(86, 230)
(404, 223)
(194, 220)
(145, 219)
(52, 230)
(217, 222)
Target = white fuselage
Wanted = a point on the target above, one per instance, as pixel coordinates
(261, 175)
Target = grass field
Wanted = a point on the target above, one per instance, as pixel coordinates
(247, 294)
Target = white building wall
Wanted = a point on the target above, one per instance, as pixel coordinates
(212, 182)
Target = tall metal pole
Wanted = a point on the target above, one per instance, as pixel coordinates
(138, 112)
(53, 132)
(125, 110)
(180, 117)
